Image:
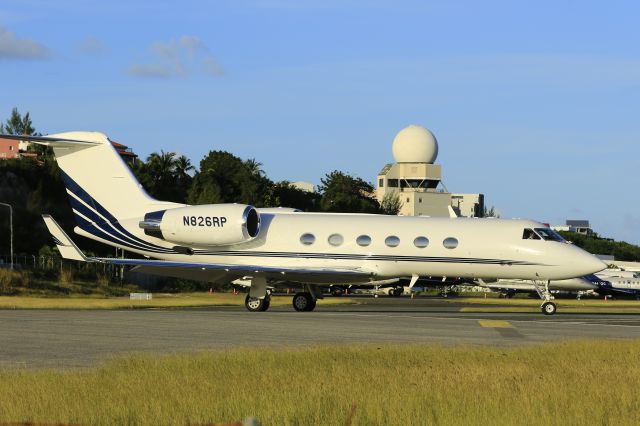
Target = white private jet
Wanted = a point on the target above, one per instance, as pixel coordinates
(228, 241)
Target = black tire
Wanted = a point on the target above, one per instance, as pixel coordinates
(266, 303)
(548, 308)
(397, 292)
(257, 305)
(303, 302)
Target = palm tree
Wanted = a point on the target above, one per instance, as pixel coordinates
(161, 166)
(254, 167)
(182, 167)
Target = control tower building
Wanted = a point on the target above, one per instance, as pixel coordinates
(417, 181)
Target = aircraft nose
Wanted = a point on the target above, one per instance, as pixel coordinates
(589, 264)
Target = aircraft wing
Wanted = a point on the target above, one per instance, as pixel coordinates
(283, 273)
(207, 271)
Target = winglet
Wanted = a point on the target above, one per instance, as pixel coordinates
(67, 248)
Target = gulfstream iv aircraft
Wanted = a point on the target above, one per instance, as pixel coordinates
(223, 242)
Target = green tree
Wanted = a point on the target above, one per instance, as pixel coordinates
(283, 194)
(391, 203)
(165, 175)
(18, 124)
(344, 193)
(225, 178)
(491, 212)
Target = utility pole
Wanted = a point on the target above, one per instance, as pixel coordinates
(11, 227)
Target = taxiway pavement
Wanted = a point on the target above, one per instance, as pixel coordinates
(78, 338)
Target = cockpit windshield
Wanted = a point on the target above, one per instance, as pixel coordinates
(546, 234)
(549, 234)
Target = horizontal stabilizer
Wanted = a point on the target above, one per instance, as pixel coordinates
(49, 141)
(67, 248)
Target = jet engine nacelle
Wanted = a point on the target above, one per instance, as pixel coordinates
(204, 225)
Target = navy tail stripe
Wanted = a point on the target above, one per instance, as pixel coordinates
(112, 221)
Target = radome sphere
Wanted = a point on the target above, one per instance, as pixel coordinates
(415, 144)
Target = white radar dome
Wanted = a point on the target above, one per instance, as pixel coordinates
(415, 144)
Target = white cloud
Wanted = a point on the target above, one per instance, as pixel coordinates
(178, 58)
(92, 46)
(12, 47)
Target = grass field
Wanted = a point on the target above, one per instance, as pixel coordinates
(583, 382)
(180, 300)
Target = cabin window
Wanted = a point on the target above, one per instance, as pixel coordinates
(392, 241)
(392, 183)
(307, 239)
(363, 240)
(381, 183)
(450, 243)
(335, 239)
(421, 242)
(528, 234)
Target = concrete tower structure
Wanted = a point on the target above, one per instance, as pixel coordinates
(414, 178)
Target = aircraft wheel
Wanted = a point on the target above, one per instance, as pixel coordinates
(303, 302)
(253, 304)
(548, 308)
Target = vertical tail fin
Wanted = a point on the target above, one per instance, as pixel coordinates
(96, 175)
(98, 181)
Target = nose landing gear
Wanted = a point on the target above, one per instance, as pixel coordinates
(542, 288)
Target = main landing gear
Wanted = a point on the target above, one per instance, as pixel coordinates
(542, 288)
(255, 304)
(304, 302)
(259, 297)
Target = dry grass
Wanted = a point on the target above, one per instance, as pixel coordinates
(159, 301)
(12, 278)
(588, 382)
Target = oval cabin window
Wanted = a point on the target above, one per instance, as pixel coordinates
(307, 239)
(363, 240)
(450, 243)
(335, 239)
(392, 241)
(421, 242)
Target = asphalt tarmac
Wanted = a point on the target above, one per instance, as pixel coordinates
(80, 338)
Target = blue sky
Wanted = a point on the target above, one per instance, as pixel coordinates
(534, 104)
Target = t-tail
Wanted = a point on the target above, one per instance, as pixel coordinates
(106, 198)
